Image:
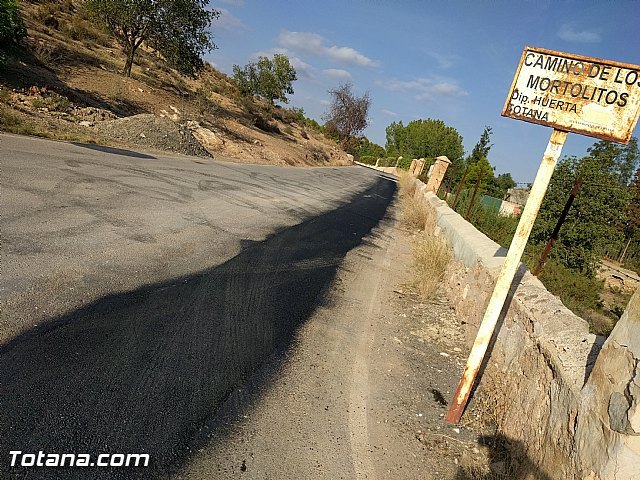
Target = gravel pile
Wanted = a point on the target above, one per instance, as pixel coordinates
(149, 131)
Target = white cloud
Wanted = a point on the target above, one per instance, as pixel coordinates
(389, 112)
(425, 88)
(569, 33)
(337, 73)
(314, 44)
(444, 60)
(228, 22)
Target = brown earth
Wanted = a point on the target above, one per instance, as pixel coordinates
(66, 84)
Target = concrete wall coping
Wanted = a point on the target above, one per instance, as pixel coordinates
(562, 335)
(573, 406)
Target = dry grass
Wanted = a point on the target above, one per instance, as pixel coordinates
(18, 123)
(431, 256)
(407, 184)
(412, 211)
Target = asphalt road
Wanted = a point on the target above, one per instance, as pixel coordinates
(138, 290)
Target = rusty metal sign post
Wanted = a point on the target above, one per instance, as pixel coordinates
(570, 93)
(556, 231)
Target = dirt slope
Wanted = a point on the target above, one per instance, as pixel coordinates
(66, 82)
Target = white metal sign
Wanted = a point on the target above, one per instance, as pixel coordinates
(590, 96)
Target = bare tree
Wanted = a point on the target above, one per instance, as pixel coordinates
(348, 114)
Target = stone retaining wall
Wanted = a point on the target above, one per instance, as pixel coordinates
(572, 407)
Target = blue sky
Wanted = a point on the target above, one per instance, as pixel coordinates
(449, 60)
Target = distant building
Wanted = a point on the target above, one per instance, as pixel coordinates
(517, 195)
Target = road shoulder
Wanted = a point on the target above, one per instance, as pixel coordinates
(356, 395)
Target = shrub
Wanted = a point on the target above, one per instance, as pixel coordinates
(578, 292)
(12, 29)
(203, 102)
(298, 113)
(311, 123)
(368, 159)
(404, 163)
(5, 95)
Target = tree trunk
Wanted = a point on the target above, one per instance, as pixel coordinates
(130, 52)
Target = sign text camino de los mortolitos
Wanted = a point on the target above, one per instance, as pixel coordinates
(594, 97)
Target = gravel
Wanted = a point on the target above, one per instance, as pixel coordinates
(150, 131)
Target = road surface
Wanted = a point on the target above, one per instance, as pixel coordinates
(140, 290)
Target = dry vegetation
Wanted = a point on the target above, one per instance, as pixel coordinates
(431, 254)
(431, 257)
(69, 72)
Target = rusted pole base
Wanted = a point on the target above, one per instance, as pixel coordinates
(509, 269)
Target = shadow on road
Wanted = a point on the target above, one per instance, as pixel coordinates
(115, 151)
(142, 371)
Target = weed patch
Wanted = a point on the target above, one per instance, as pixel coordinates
(431, 256)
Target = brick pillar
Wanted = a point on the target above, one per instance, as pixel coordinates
(439, 170)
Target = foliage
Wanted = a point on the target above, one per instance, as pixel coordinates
(579, 292)
(388, 162)
(368, 148)
(482, 170)
(178, 29)
(619, 160)
(348, 114)
(403, 163)
(12, 28)
(368, 159)
(311, 123)
(299, 114)
(481, 149)
(598, 212)
(633, 210)
(629, 251)
(270, 79)
(422, 139)
(498, 228)
(54, 102)
(477, 164)
(497, 186)
(431, 257)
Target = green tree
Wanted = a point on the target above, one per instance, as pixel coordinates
(633, 211)
(270, 79)
(483, 169)
(424, 139)
(370, 149)
(481, 149)
(497, 186)
(598, 213)
(396, 139)
(178, 29)
(620, 160)
(12, 28)
(630, 249)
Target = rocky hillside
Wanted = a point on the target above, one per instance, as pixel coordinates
(66, 84)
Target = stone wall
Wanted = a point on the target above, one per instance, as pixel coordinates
(570, 399)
